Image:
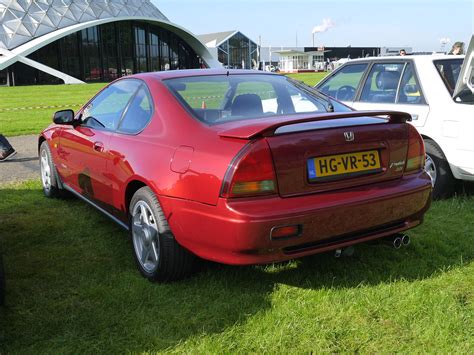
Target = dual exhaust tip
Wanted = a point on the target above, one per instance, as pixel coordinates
(399, 240)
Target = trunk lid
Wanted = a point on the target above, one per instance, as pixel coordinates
(338, 154)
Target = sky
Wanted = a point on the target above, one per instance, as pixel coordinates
(419, 24)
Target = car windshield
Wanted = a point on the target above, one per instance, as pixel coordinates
(218, 99)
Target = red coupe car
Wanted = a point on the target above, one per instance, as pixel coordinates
(238, 167)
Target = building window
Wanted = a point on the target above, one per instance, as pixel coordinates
(154, 50)
(140, 49)
(3, 77)
(109, 51)
(165, 52)
(91, 55)
(239, 52)
(70, 58)
(174, 57)
(126, 48)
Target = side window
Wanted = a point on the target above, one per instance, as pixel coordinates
(343, 85)
(449, 71)
(138, 113)
(106, 109)
(410, 90)
(382, 83)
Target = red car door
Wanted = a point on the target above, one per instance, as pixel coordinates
(84, 148)
(84, 155)
(128, 143)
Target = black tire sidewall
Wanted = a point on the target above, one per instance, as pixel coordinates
(444, 184)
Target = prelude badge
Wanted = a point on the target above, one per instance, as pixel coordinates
(349, 136)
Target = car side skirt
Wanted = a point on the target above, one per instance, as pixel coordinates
(113, 218)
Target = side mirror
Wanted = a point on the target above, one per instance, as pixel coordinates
(63, 117)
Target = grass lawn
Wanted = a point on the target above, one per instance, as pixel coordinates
(309, 78)
(72, 286)
(32, 121)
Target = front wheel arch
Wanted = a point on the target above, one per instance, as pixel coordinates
(41, 139)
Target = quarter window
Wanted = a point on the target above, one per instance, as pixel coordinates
(449, 71)
(343, 85)
(382, 83)
(138, 113)
(410, 91)
(106, 109)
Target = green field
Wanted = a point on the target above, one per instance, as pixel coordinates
(309, 78)
(27, 118)
(72, 287)
(18, 105)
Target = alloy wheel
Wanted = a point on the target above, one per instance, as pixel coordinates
(45, 170)
(430, 168)
(145, 236)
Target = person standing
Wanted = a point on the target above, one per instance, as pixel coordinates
(6, 150)
(402, 52)
(457, 49)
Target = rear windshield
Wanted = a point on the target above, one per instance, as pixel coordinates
(218, 99)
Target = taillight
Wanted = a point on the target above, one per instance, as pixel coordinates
(251, 173)
(416, 151)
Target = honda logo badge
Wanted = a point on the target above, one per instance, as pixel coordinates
(349, 136)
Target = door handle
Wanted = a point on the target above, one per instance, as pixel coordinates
(98, 146)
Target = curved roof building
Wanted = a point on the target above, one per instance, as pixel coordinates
(76, 41)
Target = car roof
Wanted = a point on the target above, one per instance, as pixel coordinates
(416, 58)
(183, 73)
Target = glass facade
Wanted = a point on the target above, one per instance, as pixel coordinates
(3, 77)
(238, 52)
(106, 52)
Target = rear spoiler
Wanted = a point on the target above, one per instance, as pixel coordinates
(267, 126)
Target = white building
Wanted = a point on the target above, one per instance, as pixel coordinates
(295, 61)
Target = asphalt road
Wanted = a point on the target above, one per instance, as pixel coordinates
(24, 165)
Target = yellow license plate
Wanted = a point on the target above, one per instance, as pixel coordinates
(343, 164)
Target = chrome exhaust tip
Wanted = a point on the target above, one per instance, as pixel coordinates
(405, 240)
(397, 242)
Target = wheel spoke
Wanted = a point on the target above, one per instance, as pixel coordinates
(154, 254)
(137, 229)
(144, 214)
(145, 253)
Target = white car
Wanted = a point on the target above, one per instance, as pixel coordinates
(427, 87)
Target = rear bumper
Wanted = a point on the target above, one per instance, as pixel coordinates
(238, 231)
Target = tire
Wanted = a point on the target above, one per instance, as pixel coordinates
(2, 282)
(49, 176)
(438, 168)
(157, 254)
